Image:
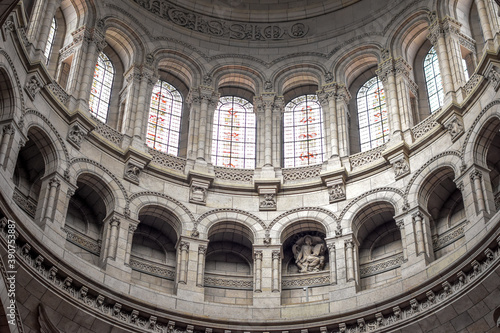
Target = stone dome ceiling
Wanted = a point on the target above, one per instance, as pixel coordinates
(263, 10)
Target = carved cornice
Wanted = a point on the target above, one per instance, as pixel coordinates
(220, 28)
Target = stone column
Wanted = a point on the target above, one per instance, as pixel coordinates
(476, 179)
(183, 261)
(405, 86)
(419, 232)
(333, 262)
(258, 271)
(205, 95)
(401, 226)
(44, 27)
(342, 99)
(323, 100)
(148, 81)
(267, 102)
(279, 106)
(386, 73)
(349, 257)
(132, 227)
(484, 20)
(36, 20)
(437, 38)
(276, 285)
(114, 224)
(194, 119)
(200, 276)
(8, 131)
(54, 184)
(334, 132)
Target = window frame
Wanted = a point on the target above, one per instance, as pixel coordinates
(102, 116)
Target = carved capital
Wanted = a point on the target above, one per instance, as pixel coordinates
(258, 255)
(476, 174)
(54, 182)
(417, 217)
(276, 254)
(184, 246)
(202, 249)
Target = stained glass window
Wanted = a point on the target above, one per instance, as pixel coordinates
(303, 141)
(164, 124)
(372, 115)
(50, 41)
(100, 93)
(433, 80)
(233, 141)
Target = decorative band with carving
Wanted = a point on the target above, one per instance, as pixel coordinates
(360, 159)
(166, 160)
(307, 172)
(449, 236)
(222, 28)
(109, 133)
(82, 241)
(229, 282)
(310, 280)
(26, 203)
(424, 126)
(381, 266)
(155, 269)
(238, 175)
(108, 309)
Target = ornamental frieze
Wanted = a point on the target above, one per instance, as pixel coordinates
(223, 28)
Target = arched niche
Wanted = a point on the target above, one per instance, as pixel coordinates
(7, 98)
(153, 256)
(444, 203)
(305, 264)
(493, 157)
(34, 160)
(88, 207)
(229, 264)
(380, 246)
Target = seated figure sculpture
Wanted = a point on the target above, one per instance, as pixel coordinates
(309, 255)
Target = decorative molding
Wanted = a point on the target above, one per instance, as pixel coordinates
(363, 158)
(449, 236)
(472, 83)
(401, 168)
(236, 175)
(222, 28)
(27, 204)
(297, 281)
(82, 241)
(151, 268)
(424, 126)
(108, 132)
(166, 160)
(307, 172)
(32, 86)
(381, 265)
(76, 134)
(494, 77)
(16, 77)
(228, 282)
(58, 92)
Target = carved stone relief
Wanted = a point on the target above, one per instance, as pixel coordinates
(455, 127)
(132, 172)
(309, 254)
(401, 168)
(76, 135)
(33, 86)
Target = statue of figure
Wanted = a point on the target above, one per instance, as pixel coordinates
(309, 255)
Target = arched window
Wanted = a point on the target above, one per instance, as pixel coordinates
(233, 140)
(50, 41)
(303, 141)
(372, 114)
(433, 80)
(100, 93)
(164, 123)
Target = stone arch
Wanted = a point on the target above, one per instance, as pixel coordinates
(46, 145)
(488, 128)
(207, 220)
(238, 76)
(385, 194)
(7, 95)
(180, 64)
(292, 77)
(367, 210)
(100, 185)
(318, 215)
(35, 118)
(80, 166)
(185, 219)
(354, 63)
(14, 94)
(125, 41)
(449, 159)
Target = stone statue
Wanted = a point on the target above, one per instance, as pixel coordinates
(309, 253)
